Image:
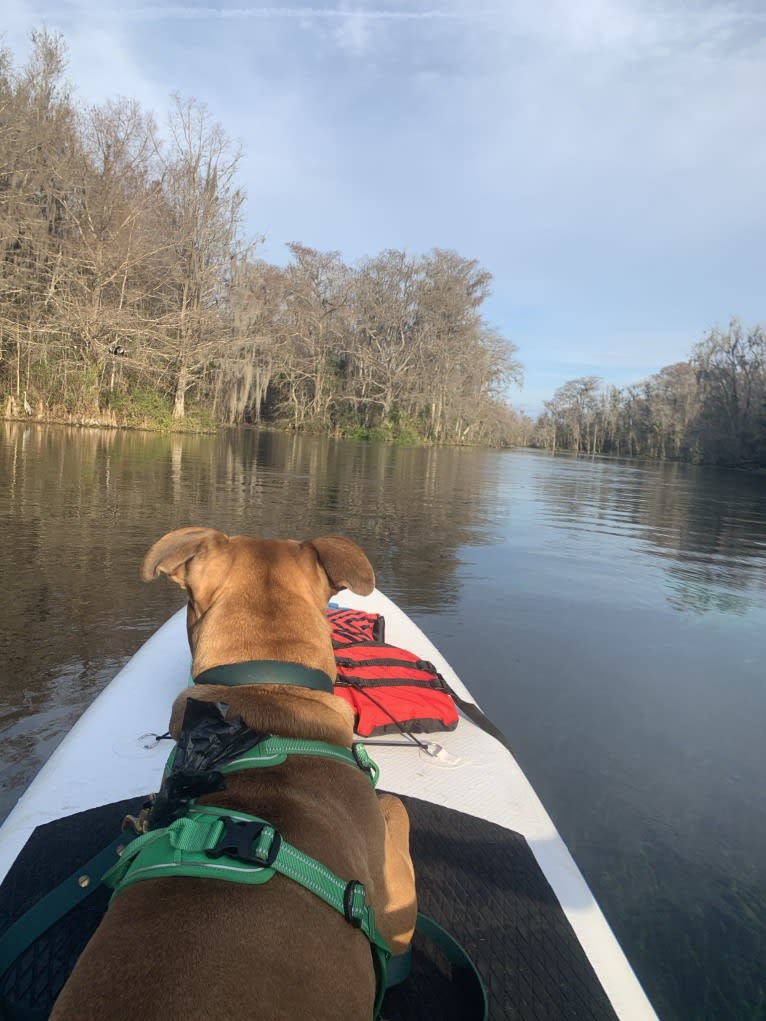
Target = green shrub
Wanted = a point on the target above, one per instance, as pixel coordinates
(143, 408)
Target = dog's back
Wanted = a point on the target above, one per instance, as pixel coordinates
(184, 948)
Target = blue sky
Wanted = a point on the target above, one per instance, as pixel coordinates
(604, 159)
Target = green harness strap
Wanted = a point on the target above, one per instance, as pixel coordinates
(274, 751)
(253, 851)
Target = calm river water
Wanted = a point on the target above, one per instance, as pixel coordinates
(609, 616)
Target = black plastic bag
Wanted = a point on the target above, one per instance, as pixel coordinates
(208, 740)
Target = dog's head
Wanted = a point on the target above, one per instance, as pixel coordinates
(258, 598)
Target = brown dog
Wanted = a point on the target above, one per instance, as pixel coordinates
(187, 948)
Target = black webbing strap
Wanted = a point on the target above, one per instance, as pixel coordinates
(464, 971)
(42, 915)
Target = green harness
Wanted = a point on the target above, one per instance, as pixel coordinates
(218, 843)
(260, 842)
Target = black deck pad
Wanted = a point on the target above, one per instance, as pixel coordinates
(476, 879)
(54, 852)
(482, 883)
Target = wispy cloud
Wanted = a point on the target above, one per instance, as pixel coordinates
(172, 12)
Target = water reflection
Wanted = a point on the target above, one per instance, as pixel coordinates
(706, 527)
(269, 483)
(609, 614)
(615, 631)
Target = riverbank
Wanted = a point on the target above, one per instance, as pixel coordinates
(204, 424)
(192, 423)
(21, 411)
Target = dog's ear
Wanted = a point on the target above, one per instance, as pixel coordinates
(345, 564)
(170, 554)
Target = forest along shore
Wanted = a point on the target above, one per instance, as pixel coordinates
(710, 409)
(131, 297)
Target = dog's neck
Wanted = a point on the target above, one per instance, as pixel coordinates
(276, 709)
(238, 631)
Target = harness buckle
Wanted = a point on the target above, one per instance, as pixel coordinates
(253, 842)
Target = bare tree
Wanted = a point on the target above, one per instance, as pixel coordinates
(731, 375)
(384, 349)
(573, 415)
(37, 143)
(258, 349)
(316, 301)
(204, 206)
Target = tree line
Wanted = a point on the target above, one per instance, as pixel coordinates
(710, 409)
(128, 293)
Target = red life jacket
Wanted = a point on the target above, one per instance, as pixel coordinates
(390, 689)
(352, 626)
